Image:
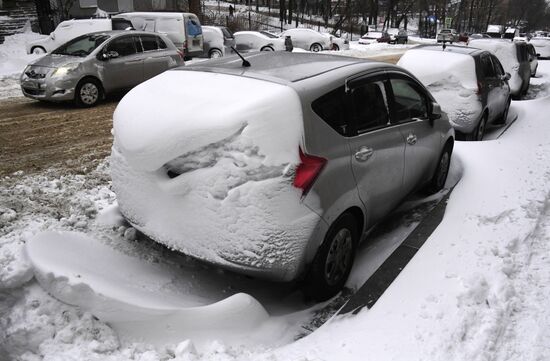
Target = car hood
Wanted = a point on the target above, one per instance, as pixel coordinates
(55, 61)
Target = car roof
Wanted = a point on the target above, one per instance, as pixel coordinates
(124, 32)
(452, 49)
(281, 67)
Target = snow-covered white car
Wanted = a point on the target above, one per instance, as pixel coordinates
(514, 57)
(469, 84)
(308, 39)
(542, 46)
(248, 185)
(337, 42)
(255, 41)
(218, 41)
(70, 29)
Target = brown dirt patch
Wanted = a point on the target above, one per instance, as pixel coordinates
(36, 135)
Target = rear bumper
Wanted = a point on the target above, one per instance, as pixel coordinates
(253, 230)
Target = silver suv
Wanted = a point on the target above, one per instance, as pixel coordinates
(300, 156)
(87, 67)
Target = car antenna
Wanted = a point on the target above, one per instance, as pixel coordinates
(246, 63)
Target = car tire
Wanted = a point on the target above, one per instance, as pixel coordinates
(332, 263)
(37, 50)
(315, 47)
(215, 53)
(504, 116)
(267, 48)
(479, 132)
(335, 47)
(442, 171)
(88, 92)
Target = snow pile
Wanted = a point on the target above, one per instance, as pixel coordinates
(13, 59)
(375, 49)
(220, 175)
(453, 84)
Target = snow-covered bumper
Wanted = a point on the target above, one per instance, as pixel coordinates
(261, 227)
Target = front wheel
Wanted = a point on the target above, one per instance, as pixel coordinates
(332, 264)
(316, 47)
(215, 53)
(335, 47)
(88, 92)
(267, 48)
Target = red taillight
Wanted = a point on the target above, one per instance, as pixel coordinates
(479, 86)
(307, 171)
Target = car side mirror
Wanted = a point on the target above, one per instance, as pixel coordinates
(436, 113)
(109, 55)
(538, 55)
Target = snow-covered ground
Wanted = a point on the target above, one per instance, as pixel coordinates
(13, 59)
(477, 289)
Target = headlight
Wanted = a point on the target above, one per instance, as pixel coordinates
(63, 70)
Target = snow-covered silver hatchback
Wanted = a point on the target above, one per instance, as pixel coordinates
(277, 169)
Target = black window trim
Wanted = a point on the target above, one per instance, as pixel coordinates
(416, 86)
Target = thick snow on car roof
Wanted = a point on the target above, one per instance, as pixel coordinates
(454, 61)
(282, 67)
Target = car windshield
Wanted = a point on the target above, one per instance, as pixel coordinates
(81, 46)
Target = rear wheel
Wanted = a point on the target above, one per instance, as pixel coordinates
(88, 92)
(215, 53)
(332, 264)
(267, 48)
(335, 47)
(442, 171)
(316, 47)
(502, 119)
(479, 132)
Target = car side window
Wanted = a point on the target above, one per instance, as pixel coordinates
(149, 42)
(193, 28)
(487, 66)
(123, 46)
(408, 101)
(369, 109)
(331, 107)
(498, 67)
(162, 44)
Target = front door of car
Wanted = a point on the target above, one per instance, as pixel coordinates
(409, 111)
(124, 69)
(376, 148)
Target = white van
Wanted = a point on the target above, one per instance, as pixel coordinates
(184, 29)
(70, 29)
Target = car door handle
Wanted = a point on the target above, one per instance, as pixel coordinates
(363, 154)
(411, 139)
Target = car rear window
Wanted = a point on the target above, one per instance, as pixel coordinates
(149, 42)
(331, 107)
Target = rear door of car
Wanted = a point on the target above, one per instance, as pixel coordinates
(502, 92)
(377, 148)
(156, 56)
(492, 85)
(409, 109)
(126, 70)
